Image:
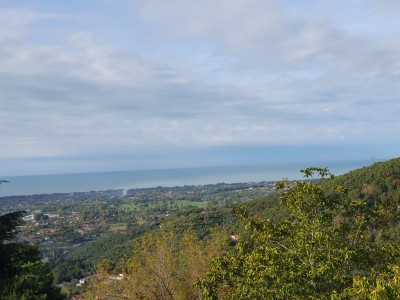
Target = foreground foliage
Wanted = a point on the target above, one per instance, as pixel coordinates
(335, 238)
(329, 248)
(22, 274)
(164, 266)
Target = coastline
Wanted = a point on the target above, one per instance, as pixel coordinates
(85, 182)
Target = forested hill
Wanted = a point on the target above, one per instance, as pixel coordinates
(329, 239)
(379, 181)
(376, 182)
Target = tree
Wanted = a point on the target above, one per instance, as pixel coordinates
(22, 274)
(327, 249)
(164, 266)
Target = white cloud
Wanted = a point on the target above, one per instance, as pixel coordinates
(202, 75)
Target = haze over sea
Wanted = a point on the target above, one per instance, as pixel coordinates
(100, 181)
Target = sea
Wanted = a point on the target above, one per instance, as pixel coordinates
(101, 181)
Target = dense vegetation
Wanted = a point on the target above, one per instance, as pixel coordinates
(328, 239)
(331, 247)
(22, 274)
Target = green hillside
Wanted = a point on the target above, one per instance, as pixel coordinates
(379, 180)
(328, 239)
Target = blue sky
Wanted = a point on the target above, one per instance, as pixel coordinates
(116, 85)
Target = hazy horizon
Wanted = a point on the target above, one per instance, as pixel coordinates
(294, 163)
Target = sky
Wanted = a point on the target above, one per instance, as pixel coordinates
(104, 85)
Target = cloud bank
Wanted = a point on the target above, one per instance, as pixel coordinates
(154, 81)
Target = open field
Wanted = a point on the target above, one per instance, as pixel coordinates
(161, 204)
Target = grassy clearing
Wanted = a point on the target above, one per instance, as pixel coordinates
(130, 206)
(160, 204)
(183, 203)
(118, 227)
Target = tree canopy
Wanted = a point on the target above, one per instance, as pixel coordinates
(319, 238)
(165, 266)
(22, 274)
(329, 248)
